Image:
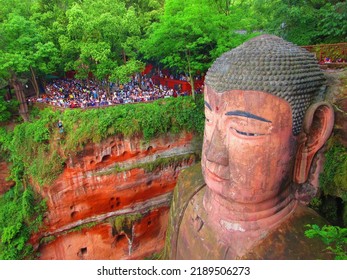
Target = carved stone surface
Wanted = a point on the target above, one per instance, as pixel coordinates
(193, 236)
(259, 142)
(270, 64)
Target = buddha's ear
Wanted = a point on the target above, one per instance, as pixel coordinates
(317, 127)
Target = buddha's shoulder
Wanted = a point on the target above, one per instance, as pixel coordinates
(189, 183)
(190, 180)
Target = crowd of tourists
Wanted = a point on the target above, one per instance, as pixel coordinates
(74, 93)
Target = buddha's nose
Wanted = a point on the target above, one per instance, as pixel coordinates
(216, 151)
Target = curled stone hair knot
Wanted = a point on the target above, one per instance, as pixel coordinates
(268, 63)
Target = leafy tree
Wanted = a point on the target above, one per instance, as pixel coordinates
(190, 35)
(100, 37)
(50, 16)
(332, 24)
(22, 49)
(147, 11)
(300, 21)
(7, 108)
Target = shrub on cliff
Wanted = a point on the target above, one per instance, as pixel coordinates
(333, 179)
(38, 149)
(333, 236)
(147, 120)
(21, 213)
(7, 108)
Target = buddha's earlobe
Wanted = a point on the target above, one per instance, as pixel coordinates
(317, 127)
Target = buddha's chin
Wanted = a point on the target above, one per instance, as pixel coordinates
(232, 192)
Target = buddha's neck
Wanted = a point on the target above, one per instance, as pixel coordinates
(255, 218)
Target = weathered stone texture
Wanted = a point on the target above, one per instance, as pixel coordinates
(106, 181)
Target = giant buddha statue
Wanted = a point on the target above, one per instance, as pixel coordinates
(264, 124)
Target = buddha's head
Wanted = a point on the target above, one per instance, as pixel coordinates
(262, 125)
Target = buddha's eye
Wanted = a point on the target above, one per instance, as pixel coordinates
(248, 133)
(247, 128)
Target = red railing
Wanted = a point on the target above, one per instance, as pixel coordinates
(182, 86)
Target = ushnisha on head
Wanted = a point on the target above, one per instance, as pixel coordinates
(269, 64)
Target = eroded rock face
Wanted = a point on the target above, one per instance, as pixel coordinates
(108, 181)
(103, 242)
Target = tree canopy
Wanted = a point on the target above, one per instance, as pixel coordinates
(113, 38)
(191, 34)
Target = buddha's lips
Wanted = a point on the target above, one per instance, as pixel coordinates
(214, 176)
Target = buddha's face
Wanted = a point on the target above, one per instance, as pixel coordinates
(248, 150)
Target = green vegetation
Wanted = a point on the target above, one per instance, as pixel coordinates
(164, 162)
(81, 227)
(333, 236)
(51, 238)
(21, 213)
(189, 37)
(21, 209)
(7, 108)
(30, 151)
(155, 256)
(124, 223)
(333, 180)
(157, 164)
(301, 22)
(147, 120)
(47, 239)
(115, 38)
(37, 149)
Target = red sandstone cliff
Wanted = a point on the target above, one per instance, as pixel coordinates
(5, 184)
(105, 205)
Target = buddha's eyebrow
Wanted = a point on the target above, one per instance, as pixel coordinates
(208, 105)
(247, 115)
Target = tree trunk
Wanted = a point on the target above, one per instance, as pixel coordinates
(124, 57)
(34, 82)
(191, 79)
(8, 95)
(191, 82)
(19, 91)
(107, 87)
